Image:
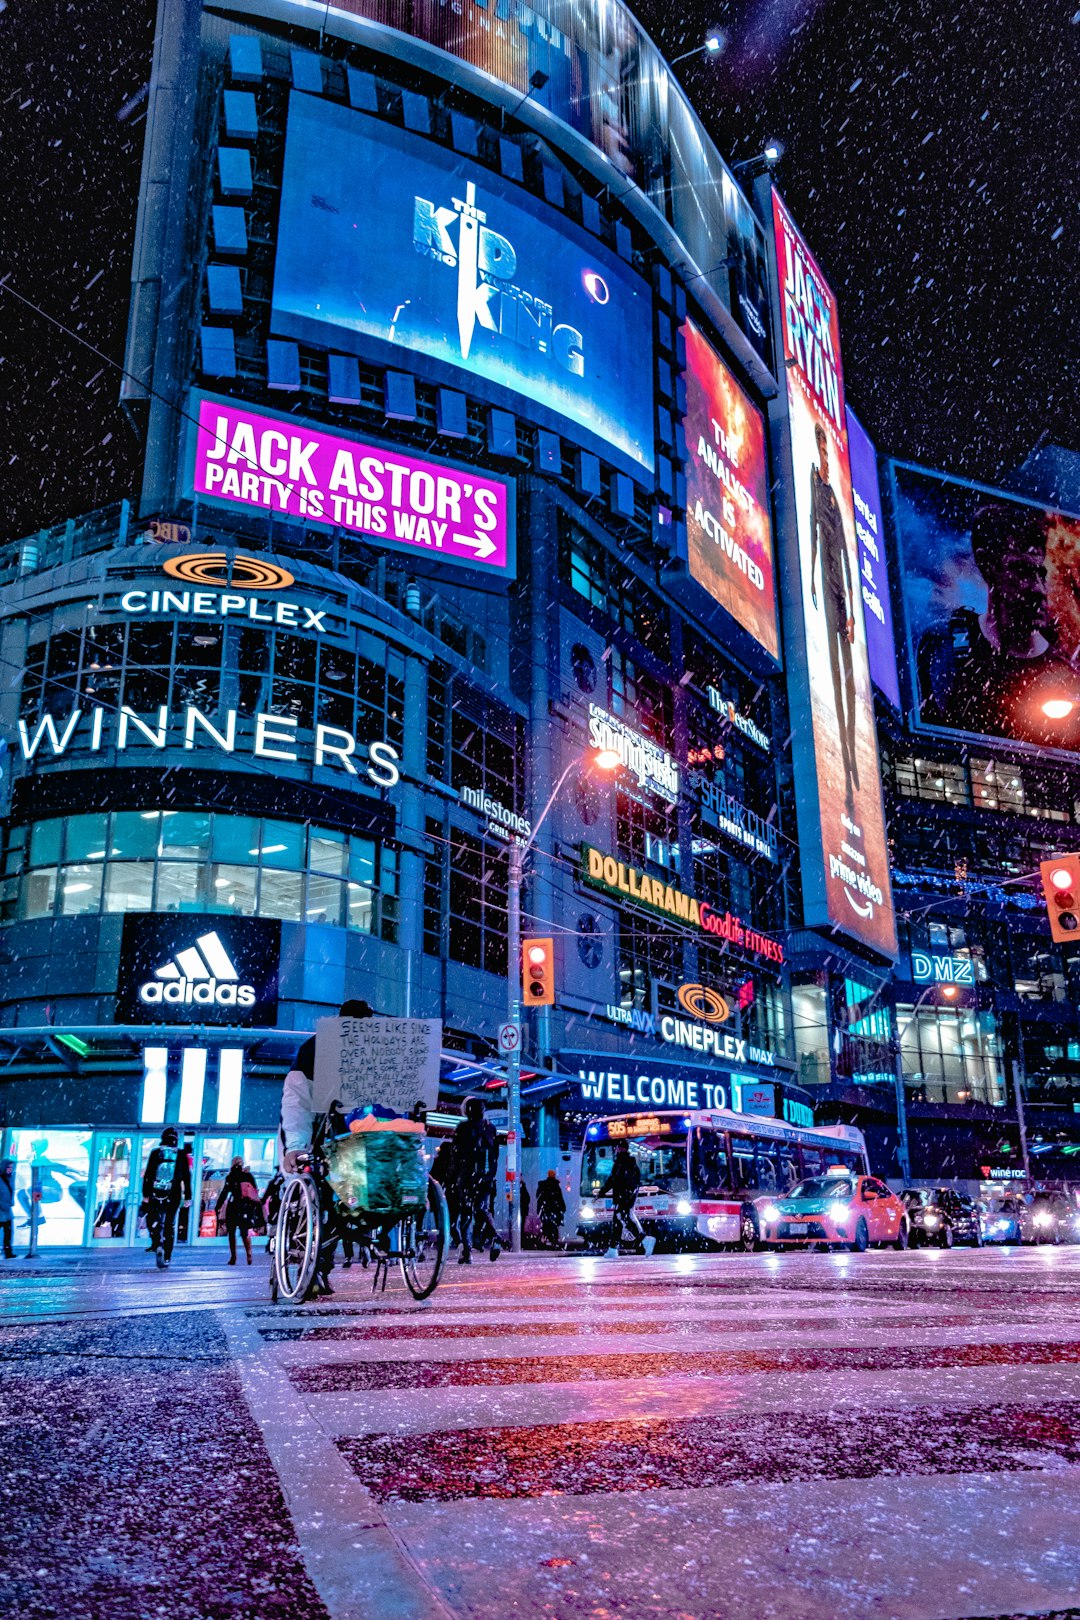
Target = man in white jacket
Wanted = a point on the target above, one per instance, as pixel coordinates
(302, 1131)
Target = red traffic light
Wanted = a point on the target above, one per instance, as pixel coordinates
(1061, 885)
(538, 972)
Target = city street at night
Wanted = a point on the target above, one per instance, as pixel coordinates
(747, 1437)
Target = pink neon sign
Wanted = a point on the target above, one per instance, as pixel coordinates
(288, 468)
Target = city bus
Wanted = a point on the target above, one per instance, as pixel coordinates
(704, 1172)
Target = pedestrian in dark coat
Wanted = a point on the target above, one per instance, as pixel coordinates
(444, 1171)
(7, 1206)
(622, 1188)
(550, 1207)
(166, 1185)
(476, 1156)
(243, 1212)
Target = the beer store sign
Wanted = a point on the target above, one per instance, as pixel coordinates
(615, 877)
(653, 766)
(741, 723)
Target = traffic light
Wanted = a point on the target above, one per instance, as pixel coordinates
(538, 972)
(1061, 886)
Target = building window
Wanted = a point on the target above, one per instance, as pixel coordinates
(951, 1055)
(639, 699)
(477, 903)
(603, 580)
(650, 961)
(181, 860)
(646, 830)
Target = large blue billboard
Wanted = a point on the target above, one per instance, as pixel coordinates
(873, 563)
(391, 245)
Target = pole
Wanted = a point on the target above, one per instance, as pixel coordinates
(513, 1061)
(901, 1112)
(1021, 1120)
(35, 1210)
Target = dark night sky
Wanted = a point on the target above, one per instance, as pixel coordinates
(931, 159)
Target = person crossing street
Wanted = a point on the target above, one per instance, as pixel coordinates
(623, 1184)
(166, 1185)
(476, 1157)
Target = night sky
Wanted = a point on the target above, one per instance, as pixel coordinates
(930, 159)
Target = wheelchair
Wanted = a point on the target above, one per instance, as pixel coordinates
(417, 1240)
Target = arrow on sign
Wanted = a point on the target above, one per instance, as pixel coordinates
(482, 544)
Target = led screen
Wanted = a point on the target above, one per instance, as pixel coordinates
(992, 597)
(390, 245)
(845, 865)
(603, 76)
(873, 567)
(729, 536)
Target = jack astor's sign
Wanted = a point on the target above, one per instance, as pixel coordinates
(605, 872)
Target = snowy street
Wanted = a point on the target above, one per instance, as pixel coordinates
(762, 1436)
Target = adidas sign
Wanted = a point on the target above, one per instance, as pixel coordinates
(201, 976)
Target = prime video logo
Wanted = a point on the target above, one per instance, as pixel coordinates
(487, 296)
(200, 976)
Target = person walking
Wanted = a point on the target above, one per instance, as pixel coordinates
(551, 1208)
(444, 1171)
(7, 1205)
(166, 1185)
(476, 1156)
(240, 1196)
(526, 1206)
(623, 1184)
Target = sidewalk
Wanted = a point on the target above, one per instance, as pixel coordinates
(76, 1260)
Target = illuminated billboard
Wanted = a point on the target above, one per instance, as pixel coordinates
(604, 78)
(991, 588)
(729, 535)
(286, 467)
(390, 246)
(873, 564)
(845, 862)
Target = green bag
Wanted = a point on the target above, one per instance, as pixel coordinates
(379, 1172)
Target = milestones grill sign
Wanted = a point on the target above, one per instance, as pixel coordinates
(602, 871)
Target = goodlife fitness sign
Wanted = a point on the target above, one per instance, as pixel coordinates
(602, 871)
(280, 465)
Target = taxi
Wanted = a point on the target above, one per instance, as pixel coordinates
(839, 1209)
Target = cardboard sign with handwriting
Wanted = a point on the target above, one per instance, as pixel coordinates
(391, 1061)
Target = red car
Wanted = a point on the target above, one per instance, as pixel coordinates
(840, 1209)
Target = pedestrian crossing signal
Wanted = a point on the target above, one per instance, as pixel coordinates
(538, 972)
(1061, 887)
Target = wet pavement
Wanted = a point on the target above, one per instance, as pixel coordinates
(758, 1437)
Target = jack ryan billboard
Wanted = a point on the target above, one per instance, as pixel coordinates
(991, 589)
(389, 245)
(604, 78)
(728, 532)
(845, 862)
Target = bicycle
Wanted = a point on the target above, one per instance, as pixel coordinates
(418, 1242)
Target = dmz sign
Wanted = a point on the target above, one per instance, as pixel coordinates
(927, 968)
(192, 969)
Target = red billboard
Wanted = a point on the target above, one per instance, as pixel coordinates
(729, 535)
(845, 860)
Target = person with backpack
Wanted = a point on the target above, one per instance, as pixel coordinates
(622, 1188)
(551, 1208)
(243, 1211)
(166, 1185)
(476, 1157)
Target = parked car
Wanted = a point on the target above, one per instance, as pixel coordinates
(840, 1210)
(942, 1216)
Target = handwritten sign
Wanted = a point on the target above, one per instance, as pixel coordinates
(390, 1061)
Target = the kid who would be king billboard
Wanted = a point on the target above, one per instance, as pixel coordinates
(391, 246)
(834, 740)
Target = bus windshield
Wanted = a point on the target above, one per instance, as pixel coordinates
(661, 1160)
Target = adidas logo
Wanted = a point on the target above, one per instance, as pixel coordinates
(200, 976)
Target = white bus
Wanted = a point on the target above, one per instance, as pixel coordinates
(703, 1173)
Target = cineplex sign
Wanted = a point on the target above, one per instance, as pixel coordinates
(602, 871)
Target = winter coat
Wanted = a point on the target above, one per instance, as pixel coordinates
(625, 1178)
(549, 1199)
(241, 1196)
(476, 1155)
(7, 1190)
(158, 1183)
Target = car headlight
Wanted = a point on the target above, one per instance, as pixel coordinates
(931, 1220)
(1044, 1218)
(770, 1213)
(683, 1207)
(838, 1212)
(587, 1212)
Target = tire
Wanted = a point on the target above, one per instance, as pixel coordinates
(423, 1244)
(946, 1240)
(296, 1239)
(748, 1240)
(862, 1238)
(903, 1236)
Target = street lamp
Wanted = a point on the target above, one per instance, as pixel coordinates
(602, 759)
(713, 43)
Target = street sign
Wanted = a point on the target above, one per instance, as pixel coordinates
(509, 1037)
